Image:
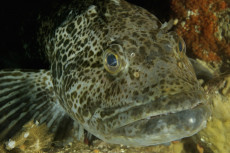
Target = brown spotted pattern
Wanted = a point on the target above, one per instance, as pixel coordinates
(155, 98)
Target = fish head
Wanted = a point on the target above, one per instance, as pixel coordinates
(129, 80)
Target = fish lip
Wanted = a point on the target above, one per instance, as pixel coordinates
(200, 103)
(154, 116)
(164, 128)
(151, 128)
(189, 103)
(150, 109)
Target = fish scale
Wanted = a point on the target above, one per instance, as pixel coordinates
(148, 95)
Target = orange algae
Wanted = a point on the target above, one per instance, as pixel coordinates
(198, 25)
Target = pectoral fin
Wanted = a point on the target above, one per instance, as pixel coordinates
(29, 95)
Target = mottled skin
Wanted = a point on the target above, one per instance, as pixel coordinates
(154, 97)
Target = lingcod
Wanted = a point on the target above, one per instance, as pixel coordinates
(116, 72)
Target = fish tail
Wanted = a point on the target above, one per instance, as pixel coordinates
(27, 95)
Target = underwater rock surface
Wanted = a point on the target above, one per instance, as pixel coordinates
(205, 27)
(217, 133)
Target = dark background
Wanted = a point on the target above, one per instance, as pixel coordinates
(19, 23)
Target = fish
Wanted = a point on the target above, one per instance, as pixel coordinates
(116, 72)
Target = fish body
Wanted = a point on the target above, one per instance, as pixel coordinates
(119, 74)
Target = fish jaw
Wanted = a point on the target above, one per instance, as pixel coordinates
(146, 124)
(162, 129)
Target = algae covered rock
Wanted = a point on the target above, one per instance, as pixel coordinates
(216, 135)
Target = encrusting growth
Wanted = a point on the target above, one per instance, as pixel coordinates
(32, 138)
(199, 24)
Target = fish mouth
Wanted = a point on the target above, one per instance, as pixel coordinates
(163, 123)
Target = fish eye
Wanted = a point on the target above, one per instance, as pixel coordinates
(181, 45)
(112, 62)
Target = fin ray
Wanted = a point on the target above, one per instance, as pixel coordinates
(7, 89)
(12, 97)
(24, 96)
(29, 95)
